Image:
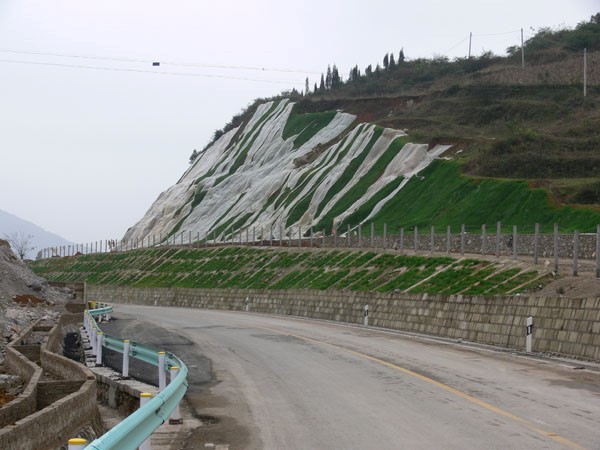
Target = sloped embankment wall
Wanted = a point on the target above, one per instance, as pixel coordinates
(569, 327)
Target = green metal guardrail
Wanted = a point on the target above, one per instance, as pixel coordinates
(136, 428)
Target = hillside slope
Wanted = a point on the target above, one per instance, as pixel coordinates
(286, 170)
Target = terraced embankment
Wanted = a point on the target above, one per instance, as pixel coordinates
(317, 269)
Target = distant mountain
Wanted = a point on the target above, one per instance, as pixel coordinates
(10, 224)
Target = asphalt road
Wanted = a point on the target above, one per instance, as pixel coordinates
(271, 382)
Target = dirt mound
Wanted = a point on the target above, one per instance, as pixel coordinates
(24, 297)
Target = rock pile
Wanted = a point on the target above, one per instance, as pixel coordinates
(24, 297)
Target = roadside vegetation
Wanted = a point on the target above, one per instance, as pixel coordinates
(254, 268)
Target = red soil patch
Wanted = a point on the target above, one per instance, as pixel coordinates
(31, 300)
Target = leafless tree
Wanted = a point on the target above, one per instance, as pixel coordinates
(20, 242)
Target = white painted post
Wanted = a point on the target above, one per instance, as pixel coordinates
(125, 371)
(162, 372)
(175, 418)
(366, 318)
(99, 342)
(77, 444)
(145, 397)
(529, 338)
(93, 340)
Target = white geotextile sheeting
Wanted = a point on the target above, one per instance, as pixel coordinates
(268, 168)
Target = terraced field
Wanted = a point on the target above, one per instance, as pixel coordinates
(260, 268)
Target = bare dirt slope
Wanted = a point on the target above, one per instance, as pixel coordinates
(24, 297)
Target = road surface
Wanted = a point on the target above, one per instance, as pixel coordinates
(272, 382)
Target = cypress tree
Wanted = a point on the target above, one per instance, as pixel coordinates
(386, 61)
(401, 56)
(328, 78)
(322, 86)
(392, 62)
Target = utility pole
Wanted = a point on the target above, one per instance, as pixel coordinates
(522, 51)
(585, 72)
(470, 38)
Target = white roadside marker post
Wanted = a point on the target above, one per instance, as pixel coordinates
(77, 444)
(175, 418)
(125, 369)
(145, 397)
(529, 338)
(366, 319)
(247, 304)
(99, 343)
(162, 373)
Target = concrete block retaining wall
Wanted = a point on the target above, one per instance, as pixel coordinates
(569, 327)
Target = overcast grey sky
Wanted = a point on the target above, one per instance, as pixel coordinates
(84, 152)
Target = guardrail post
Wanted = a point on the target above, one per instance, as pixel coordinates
(145, 397)
(93, 339)
(77, 444)
(162, 373)
(125, 370)
(99, 342)
(175, 418)
(366, 319)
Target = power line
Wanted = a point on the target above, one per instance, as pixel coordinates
(114, 69)
(172, 63)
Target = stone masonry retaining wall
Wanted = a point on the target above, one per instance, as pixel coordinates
(569, 327)
(53, 425)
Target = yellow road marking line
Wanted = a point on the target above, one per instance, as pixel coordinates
(528, 424)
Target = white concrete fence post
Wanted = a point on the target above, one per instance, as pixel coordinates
(77, 444)
(125, 368)
(366, 316)
(145, 397)
(529, 338)
(162, 372)
(99, 342)
(175, 418)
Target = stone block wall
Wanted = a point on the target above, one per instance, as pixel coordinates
(569, 327)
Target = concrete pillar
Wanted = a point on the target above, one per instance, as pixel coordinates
(498, 235)
(416, 239)
(401, 240)
(348, 237)
(175, 418)
(385, 236)
(483, 230)
(598, 251)
(556, 248)
(253, 235)
(125, 371)
(366, 316)
(99, 342)
(515, 241)
(247, 238)
(145, 397)
(432, 238)
(290, 238)
(575, 253)
(536, 244)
